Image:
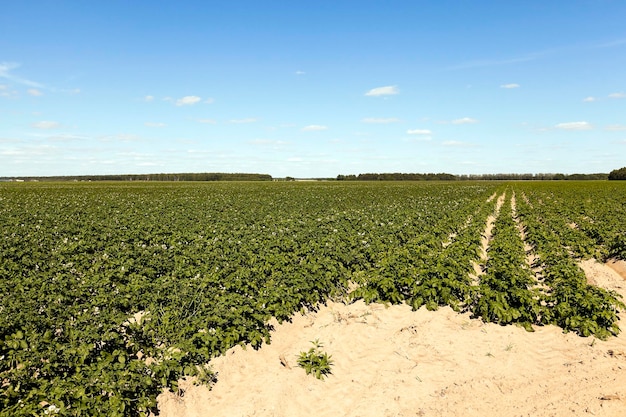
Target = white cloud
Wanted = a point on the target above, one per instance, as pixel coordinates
(5, 92)
(615, 128)
(574, 126)
(148, 98)
(34, 92)
(419, 132)
(617, 95)
(155, 124)
(389, 90)
(455, 143)
(46, 125)
(509, 86)
(590, 99)
(188, 101)
(380, 120)
(300, 72)
(67, 138)
(121, 137)
(265, 142)
(244, 121)
(5, 72)
(314, 128)
(464, 121)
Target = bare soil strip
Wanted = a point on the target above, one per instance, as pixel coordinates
(486, 238)
(527, 200)
(531, 256)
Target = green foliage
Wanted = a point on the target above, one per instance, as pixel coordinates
(572, 303)
(618, 174)
(315, 361)
(112, 292)
(617, 248)
(506, 294)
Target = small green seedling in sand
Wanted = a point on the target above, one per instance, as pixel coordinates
(315, 361)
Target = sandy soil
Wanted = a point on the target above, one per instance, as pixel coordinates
(396, 362)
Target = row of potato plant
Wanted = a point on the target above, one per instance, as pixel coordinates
(433, 269)
(589, 217)
(110, 293)
(507, 290)
(570, 303)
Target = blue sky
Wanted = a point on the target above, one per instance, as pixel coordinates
(312, 89)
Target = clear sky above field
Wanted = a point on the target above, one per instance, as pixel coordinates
(312, 89)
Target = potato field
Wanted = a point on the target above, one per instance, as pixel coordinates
(111, 292)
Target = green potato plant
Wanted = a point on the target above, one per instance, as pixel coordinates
(315, 361)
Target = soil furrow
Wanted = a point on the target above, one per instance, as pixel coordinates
(486, 238)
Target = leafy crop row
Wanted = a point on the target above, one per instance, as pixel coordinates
(109, 293)
(204, 266)
(507, 292)
(571, 303)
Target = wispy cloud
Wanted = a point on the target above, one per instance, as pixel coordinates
(120, 137)
(611, 44)
(148, 99)
(389, 90)
(267, 142)
(494, 62)
(378, 120)
(590, 99)
(155, 124)
(67, 138)
(510, 86)
(300, 72)
(6, 92)
(574, 126)
(419, 132)
(314, 128)
(45, 124)
(617, 95)
(464, 121)
(244, 121)
(615, 128)
(456, 143)
(535, 55)
(34, 92)
(188, 101)
(5, 72)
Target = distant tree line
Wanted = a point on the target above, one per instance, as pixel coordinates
(482, 177)
(397, 177)
(536, 177)
(618, 174)
(205, 176)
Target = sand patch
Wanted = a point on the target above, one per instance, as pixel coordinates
(397, 362)
(618, 266)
